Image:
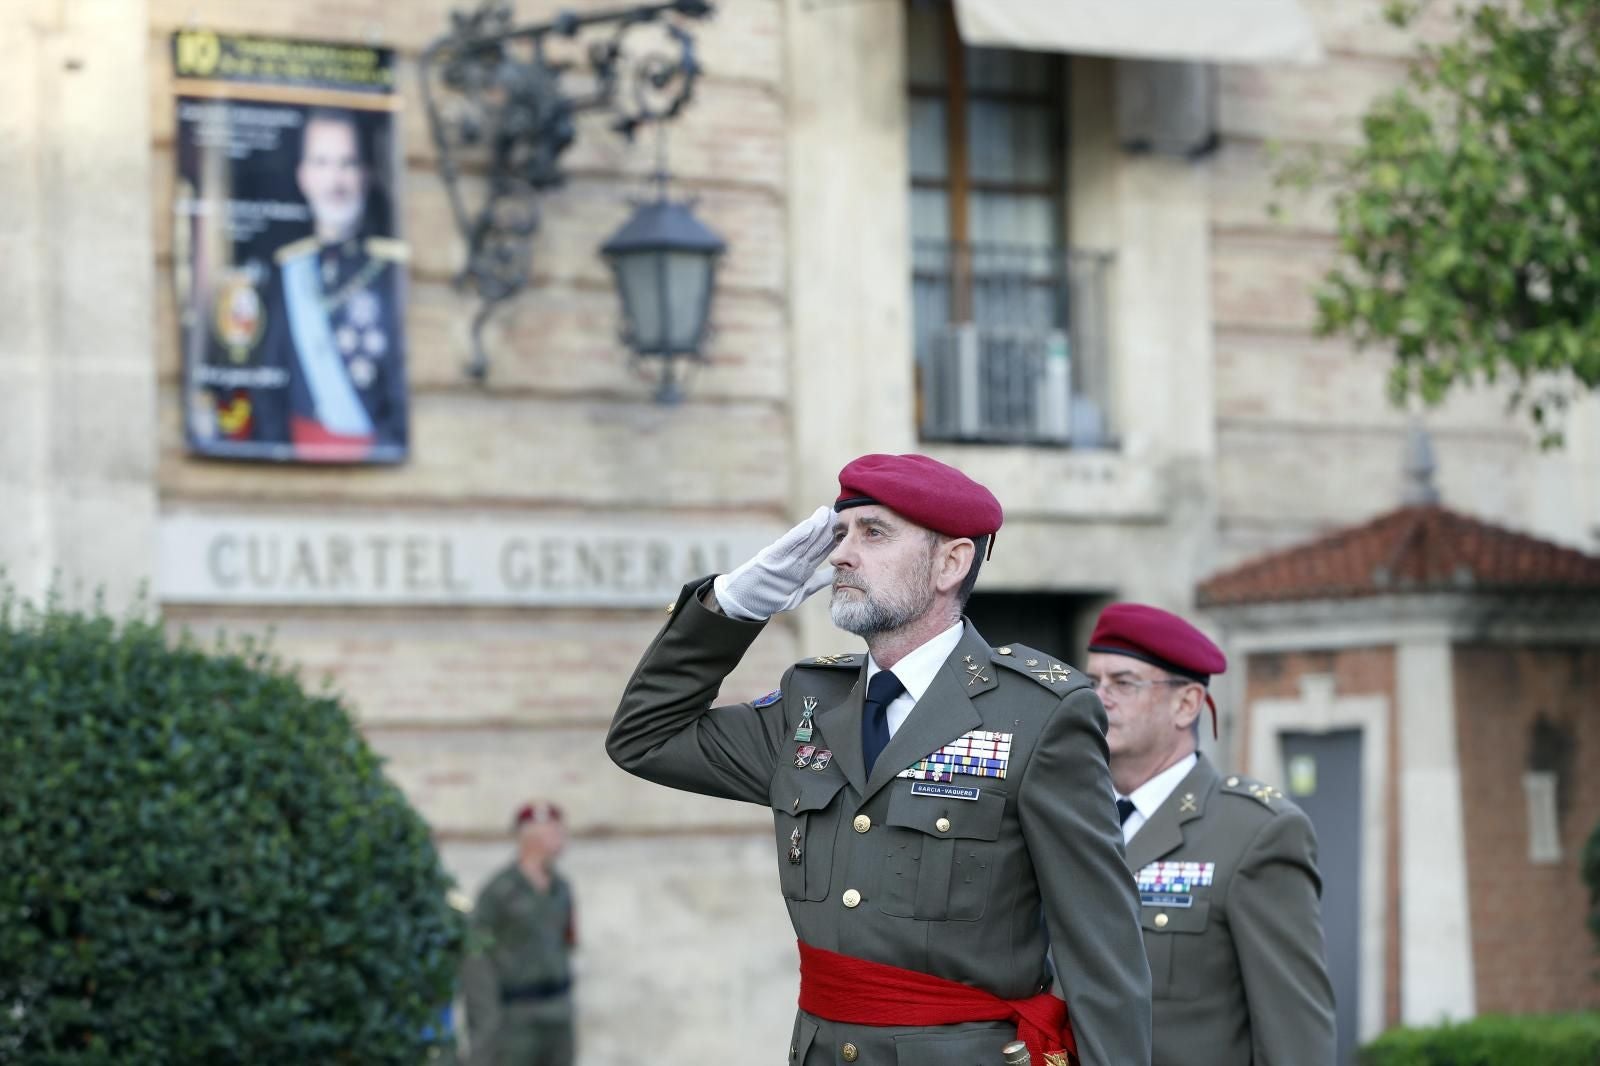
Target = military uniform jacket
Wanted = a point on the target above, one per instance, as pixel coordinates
(1234, 936)
(355, 293)
(522, 973)
(882, 869)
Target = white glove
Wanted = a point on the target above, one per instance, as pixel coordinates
(782, 574)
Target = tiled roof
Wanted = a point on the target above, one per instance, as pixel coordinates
(1415, 549)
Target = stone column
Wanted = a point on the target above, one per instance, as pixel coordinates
(1436, 978)
(77, 364)
(849, 279)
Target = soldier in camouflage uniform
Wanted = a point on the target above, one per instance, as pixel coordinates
(518, 985)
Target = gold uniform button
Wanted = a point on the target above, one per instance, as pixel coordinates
(1161, 921)
(942, 825)
(848, 1053)
(1233, 782)
(1005, 651)
(862, 823)
(851, 898)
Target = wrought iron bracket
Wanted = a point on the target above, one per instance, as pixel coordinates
(498, 107)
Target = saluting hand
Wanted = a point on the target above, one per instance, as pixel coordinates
(783, 574)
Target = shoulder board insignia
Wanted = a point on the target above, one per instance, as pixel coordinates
(1051, 673)
(295, 249)
(769, 699)
(1259, 791)
(388, 248)
(831, 660)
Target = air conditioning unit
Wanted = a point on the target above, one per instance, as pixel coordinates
(986, 383)
(1166, 108)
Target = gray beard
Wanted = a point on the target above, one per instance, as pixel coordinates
(870, 616)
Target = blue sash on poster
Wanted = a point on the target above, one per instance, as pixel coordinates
(338, 407)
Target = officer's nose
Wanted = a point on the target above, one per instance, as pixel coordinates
(843, 556)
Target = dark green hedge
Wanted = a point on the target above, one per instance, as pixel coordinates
(1493, 1040)
(202, 863)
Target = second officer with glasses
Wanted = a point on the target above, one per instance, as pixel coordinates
(1226, 866)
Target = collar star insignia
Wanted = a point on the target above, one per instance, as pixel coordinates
(1055, 673)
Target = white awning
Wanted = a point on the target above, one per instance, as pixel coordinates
(1211, 31)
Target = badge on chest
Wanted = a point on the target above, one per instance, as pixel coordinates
(1172, 884)
(978, 753)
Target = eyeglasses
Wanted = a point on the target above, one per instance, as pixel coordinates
(1127, 687)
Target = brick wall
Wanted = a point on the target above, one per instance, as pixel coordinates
(1531, 950)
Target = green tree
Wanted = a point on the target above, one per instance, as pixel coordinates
(200, 862)
(1469, 217)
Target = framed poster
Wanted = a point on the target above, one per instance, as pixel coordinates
(290, 271)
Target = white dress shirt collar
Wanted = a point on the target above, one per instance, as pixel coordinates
(1149, 797)
(916, 672)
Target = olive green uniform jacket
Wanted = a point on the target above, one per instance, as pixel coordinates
(885, 871)
(517, 989)
(1238, 966)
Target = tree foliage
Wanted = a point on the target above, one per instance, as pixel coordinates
(1469, 217)
(202, 863)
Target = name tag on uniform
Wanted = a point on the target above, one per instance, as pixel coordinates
(978, 753)
(1172, 884)
(949, 792)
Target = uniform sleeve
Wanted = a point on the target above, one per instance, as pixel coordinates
(1091, 906)
(480, 987)
(1275, 917)
(665, 729)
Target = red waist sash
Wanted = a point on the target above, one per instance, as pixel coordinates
(853, 991)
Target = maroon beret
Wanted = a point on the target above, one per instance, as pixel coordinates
(1159, 638)
(536, 813)
(924, 490)
(1162, 639)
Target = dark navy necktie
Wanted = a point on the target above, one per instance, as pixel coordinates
(1125, 809)
(882, 690)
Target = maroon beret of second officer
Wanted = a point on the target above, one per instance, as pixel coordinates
(1162, 639)
(926, 491)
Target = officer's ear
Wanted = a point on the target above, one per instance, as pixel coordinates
(1191, 699)
(951, 560)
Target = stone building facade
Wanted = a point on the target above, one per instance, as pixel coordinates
(1224, 428)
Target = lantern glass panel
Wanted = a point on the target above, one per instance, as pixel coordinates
(665, 295)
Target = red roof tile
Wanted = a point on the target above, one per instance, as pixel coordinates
(1415, 549)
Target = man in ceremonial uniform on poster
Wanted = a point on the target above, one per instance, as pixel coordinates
(1226, 866)
(335, 314)
(942, 808)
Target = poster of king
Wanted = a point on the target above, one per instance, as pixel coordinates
(290, 274)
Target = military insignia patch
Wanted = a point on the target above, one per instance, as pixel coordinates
(979, 753)
(769, 699)
(1172, 884)
(802, 756)
(824, 757)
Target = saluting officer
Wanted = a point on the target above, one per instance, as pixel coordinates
(518, 987)
(1226, 867)
(931, 797)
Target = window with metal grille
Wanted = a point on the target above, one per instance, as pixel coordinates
(1005, 314)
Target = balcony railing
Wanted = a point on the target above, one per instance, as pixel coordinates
(1011, 344)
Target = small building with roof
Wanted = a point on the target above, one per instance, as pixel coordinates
(1425, 686)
